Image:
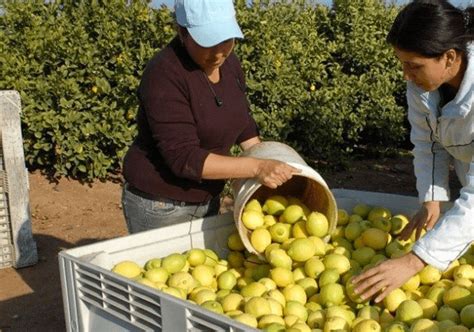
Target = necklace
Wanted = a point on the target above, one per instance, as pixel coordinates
(217, 99)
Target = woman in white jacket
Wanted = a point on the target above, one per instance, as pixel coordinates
(433, 41)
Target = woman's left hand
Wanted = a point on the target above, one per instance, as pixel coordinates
(387, 276)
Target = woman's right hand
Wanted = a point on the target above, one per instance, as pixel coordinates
(273, 173)
(427, 216)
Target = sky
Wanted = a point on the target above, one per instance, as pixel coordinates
(460, 3)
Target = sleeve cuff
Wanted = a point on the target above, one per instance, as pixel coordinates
(428, 258)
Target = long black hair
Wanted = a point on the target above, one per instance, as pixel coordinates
(431, 27)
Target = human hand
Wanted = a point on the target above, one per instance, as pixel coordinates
(387, 276)
(427, 216)
(273, 173)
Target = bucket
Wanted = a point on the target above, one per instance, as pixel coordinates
(308, 186)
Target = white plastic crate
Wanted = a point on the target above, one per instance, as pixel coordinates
(95, 299)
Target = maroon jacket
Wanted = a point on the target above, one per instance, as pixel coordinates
(179, 124)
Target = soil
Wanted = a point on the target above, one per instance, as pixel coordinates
(67, 214)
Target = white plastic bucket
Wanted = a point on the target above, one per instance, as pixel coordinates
(308, 186)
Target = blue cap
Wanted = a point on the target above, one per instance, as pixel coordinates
(209, 22)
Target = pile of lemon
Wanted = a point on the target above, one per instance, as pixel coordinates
(299, 282)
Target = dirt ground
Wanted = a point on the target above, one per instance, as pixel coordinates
(68, 214)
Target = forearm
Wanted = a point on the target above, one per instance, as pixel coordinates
(224, 167)
(453, 234)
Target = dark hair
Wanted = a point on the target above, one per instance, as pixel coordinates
(431, 27)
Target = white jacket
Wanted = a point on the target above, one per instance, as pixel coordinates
(441, 135)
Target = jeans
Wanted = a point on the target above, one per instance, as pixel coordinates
(142, 214)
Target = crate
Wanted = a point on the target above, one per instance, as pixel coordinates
(17, 246)
(95, 299)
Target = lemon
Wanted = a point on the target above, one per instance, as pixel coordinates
(429, 275)
(252, 219)
(361, 210)
(352, 231)
(436, 293)
(176, 292)
(331, 294)
(267, 320)
(204, 295)
(313, 267)
(214, 306)
(383, 224)
(257, 307)
(275, 205)
(378, 212)
(279, 258)
(320, 245)
(367, 325)
(336, 324)
(447, 313)
(350, 291)
(152, 263)
(328, 276)
(275, 327)
(393, 300)
(295, 308)
(294, 292)
(424, 325)
(226, 280)
(276, 295)
(316, 319)
(127, 269)
(247, 319)
(317, 224)
(182, 280)
(280, 232)
(445, 325)
(369, 312)
(234, 242)
(204, 274)
(408, 311)
(196, 257)
(464, 271)
(300, 327)
(363, 255)
(269, 220)
(260, 239)
(309, 285)
(398, 222)
(336, 261)
(275, 307)
(158, 274)
(268, 283)
(233, 301)
(458, 297)
(301, 250)
(396, 327)
(253, 289)
(342, 217)
(429, 308)
(467, 316)
(270, 248)
(253, 205)
(298, 230)
(412, 283)
(375, 238)
(293, 213)
(281, 276)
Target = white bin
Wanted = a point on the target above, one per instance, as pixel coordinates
(95, 299)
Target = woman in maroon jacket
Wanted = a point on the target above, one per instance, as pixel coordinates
(193, 108)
